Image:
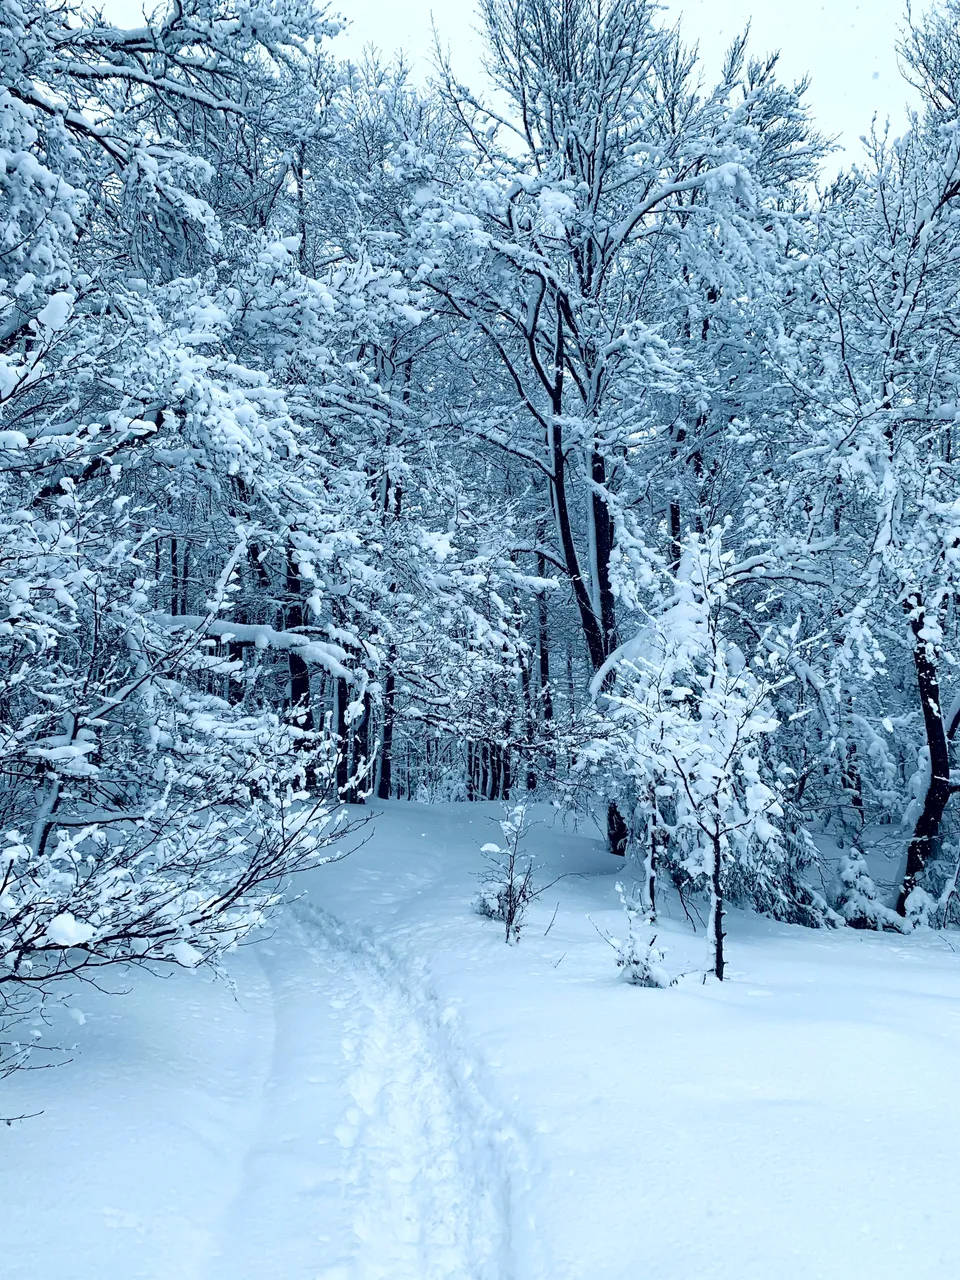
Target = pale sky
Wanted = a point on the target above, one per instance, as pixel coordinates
(846, 46)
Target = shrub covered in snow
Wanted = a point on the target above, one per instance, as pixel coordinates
(638, 957)
(860, 903)
(506, 884)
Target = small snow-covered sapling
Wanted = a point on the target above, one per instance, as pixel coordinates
(506, 885)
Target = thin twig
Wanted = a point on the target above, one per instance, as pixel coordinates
(552, 918)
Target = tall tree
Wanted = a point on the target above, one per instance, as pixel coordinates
(607, 188)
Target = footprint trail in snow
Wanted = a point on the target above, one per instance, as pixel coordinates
(376, 1156)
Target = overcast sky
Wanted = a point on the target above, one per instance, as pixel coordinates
(846, 46)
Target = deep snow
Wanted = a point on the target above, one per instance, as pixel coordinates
(385, 1091)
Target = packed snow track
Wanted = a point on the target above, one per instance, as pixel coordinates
(419, 1186)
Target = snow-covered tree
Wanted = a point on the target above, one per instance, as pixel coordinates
(604, 215)
(685, 743)
(157, 787)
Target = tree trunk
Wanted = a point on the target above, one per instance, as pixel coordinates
(603, 539)
(715, 926)
(385, 780)
(496, 772)
(927, 830)
(675, 531)
(599, 632)
(360, 753)
(543, 642)
(183, 579)
(526, 693)
(340, 697)
(174, 578)
(617, 831)
(592, 631)
(298, 669)
(650, 867)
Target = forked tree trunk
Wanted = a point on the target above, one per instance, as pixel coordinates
(599, 630)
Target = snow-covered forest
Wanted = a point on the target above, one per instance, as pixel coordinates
(381, 452)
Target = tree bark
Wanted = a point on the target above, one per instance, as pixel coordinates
(543, 647)
(385, 779)
(716, 910)
(592, 630)
(174, 579)
(603, 537)
(298, 669)
(599, 632)
(340, 697)
(617, 831)
(927, 830)
(359, 753)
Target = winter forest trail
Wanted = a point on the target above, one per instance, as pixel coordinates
(382, 1090)
(375, 1155)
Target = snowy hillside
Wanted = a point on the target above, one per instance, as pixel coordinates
(388, 1092)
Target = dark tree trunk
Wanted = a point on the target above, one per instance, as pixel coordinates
(543, 644)
(385, 781)
(717, 913)
(853, 783)
(599, 633)
(183, 579)
(340, 698)
(675, 512)
(360, 753)
(299, 671)
(531, 719)
(927, 830)
(592, 630)
(675, 529)
(300, 689)
(617, 831)
(174, 578)
(496, 772)
(603, 535)
(655, 837)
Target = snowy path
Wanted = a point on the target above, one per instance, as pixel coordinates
(386, 1164)
(388, 1092)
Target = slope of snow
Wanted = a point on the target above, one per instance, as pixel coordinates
(388, 1092)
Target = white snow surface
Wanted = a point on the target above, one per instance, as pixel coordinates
(383, 1090)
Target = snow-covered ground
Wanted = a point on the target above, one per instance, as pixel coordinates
(387, 1092)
